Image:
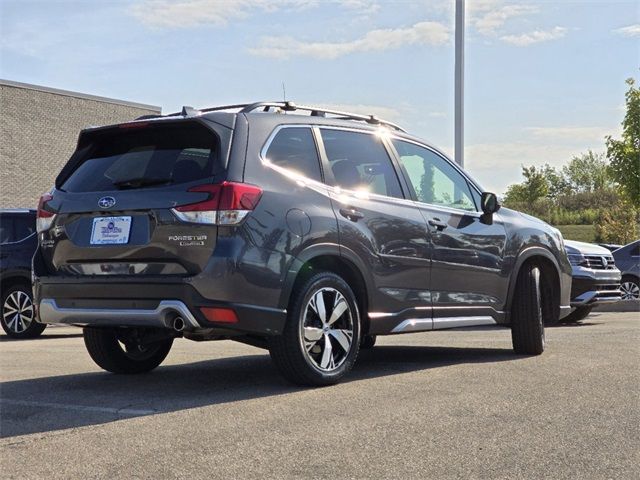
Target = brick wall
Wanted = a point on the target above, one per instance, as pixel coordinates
(38, 133)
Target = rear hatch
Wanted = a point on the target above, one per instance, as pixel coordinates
(113, 211)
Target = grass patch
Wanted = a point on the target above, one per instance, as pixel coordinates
(581, 233)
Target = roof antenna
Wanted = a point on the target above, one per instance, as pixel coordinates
(284, 93)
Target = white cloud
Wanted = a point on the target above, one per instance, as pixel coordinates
(572, 134)
(491, 17)
(629, 31)
(422, 33)
(497, 165)
(189, 13)
(537, 36)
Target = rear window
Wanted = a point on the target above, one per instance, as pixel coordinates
(145, 158)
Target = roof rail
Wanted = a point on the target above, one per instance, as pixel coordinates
(287, 107)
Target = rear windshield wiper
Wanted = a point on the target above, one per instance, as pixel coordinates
(140, 182)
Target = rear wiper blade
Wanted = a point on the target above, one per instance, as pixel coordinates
(140, 182)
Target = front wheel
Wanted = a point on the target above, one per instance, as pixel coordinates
(321, 337)
(125, 350)
(18, 315)
(630, 288)
(527, 326)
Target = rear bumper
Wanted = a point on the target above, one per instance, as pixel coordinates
(85, 302)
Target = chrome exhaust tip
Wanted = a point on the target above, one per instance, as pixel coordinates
(178, 323)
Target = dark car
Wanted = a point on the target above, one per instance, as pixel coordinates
(301, 230)
(612, 247)
(628, 261)
(18, 242)
(596, 279)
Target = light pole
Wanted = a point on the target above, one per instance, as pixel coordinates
(459, 85)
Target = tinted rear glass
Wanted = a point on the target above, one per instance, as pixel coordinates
(14, 228)
(145, 158)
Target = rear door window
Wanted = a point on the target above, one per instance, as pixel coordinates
(359, 162)
(293, 148)
(145, 157)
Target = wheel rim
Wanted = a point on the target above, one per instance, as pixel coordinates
(630, 291)
(326, 330)
(17, 311)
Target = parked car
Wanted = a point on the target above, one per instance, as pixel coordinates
(18, 242)
(596, 280)
(612, 247)
(628, 261)
(301, 230)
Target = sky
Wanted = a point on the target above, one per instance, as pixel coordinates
(544, 80)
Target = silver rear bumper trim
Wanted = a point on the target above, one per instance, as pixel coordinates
(160, 317)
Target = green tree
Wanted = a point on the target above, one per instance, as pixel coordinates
(556, 181)
(587, 173)
(534, 186)
(617, 224)
(624, 154)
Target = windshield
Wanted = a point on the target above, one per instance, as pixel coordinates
(145, 158)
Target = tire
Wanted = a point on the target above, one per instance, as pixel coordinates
(107, 348)
(630, 288)
(18, 315)
(578, 314)
(301, 352)
(527, 325)
(367, 342)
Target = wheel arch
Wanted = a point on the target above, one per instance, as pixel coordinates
(333, 258)
(14, 278)
(550, 272)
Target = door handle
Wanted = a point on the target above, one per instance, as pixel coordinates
(439, 224)
(352, 214)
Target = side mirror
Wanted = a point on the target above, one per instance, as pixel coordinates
(489, 203)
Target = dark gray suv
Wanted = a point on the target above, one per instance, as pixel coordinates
(297, 229)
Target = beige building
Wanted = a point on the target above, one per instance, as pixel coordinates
(39, 128)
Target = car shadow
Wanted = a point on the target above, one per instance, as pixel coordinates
(44, 336)
(56, 403)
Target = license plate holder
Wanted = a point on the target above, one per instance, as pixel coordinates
(110, 231)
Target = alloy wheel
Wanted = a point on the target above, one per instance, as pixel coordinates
(630, 291)
(326, 331)
(17, 311)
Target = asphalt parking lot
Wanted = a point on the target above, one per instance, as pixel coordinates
(456, 404)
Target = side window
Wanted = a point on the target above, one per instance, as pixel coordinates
(635, 250)
(23, 227)
(359, 161)
(434, 180)
(6, 229)
(293, 148)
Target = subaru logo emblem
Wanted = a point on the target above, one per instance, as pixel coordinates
(106, 202)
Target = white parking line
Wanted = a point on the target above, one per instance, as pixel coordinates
(82, 408)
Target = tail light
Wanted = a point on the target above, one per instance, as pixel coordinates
(228, 203)
(219, 315)
(44, 218)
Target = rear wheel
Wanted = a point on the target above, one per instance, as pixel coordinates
(126, 350)
(527, 325)
(18, 315)
(321, 338)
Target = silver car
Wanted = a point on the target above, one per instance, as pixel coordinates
(595, 278)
